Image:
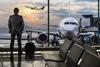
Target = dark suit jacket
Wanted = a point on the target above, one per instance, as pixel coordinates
(16, 24)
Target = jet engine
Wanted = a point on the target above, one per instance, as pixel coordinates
(42, 38)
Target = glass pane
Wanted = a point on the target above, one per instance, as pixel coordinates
(34, 13)
(35, 19)
(60, 9)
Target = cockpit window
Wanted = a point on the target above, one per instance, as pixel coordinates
(72, 23)
(67, 23)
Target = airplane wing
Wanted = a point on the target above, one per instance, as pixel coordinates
(45, 32)
(51, 25)
(42, 7)
(31, 7)
(35, 31)
(3, 27)
(54, 34)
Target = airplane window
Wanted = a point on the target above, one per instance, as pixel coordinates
(72, 23)
(67, 23)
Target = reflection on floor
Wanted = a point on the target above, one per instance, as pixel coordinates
(36, 60)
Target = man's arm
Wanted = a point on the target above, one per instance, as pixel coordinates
(9, 24)
(22, 26)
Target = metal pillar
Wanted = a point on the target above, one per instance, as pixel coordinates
(48, 20)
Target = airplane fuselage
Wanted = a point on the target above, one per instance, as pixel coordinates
(69, 27)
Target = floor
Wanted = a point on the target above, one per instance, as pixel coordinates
(22, 61)
(15, 60)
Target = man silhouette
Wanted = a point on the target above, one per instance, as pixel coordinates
(16, 26)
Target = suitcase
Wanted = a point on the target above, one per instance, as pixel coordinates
(29, 48)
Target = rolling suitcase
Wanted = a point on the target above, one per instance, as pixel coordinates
(29, 48)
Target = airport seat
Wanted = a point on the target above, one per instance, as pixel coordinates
(91, 49)
(87, 47)
(72, 58)
(89, 60)
(64, 48)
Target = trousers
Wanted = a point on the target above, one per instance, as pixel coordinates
(12, 42)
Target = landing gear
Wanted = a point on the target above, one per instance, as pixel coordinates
(94, 39)
(55, 42)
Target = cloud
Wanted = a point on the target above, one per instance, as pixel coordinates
(87, 11)
(37, 3)
(58, 10)
(85, 0)
(61, 10)
(10, 2)
(2, 12)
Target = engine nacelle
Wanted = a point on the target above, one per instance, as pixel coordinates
(42, 38)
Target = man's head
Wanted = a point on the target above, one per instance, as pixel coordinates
(16, 10)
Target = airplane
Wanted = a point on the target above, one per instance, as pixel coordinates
(67, 28)
(35, 8)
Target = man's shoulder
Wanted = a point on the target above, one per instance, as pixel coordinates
(11, 15)
(20, 15)
(15, 15)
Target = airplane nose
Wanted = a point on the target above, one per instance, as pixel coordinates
(69, 34)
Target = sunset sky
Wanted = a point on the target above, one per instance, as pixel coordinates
(59, 9)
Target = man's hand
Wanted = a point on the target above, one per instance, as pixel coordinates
(9, 31)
